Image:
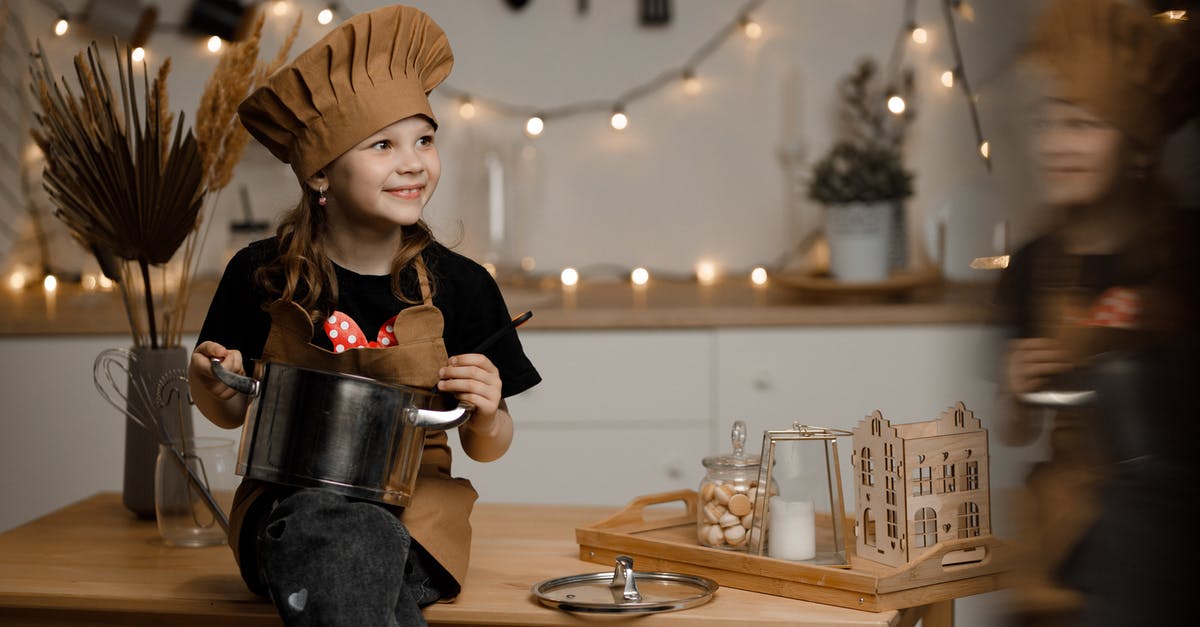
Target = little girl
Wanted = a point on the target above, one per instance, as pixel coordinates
(354, 281)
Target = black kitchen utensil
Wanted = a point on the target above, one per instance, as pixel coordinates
(491, 339)
(655, 12)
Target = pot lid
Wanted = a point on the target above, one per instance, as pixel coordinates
(739, 458)
(625, 591)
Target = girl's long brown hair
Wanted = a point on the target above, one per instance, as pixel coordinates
(303, 273)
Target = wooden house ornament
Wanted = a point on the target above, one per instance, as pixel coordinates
(919, 484)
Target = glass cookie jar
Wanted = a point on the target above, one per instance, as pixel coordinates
(725, 503)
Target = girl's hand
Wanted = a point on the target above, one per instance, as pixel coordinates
(474, 379)
(1031, 362)
(200, 369)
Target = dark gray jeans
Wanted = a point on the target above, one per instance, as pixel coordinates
(329, 561)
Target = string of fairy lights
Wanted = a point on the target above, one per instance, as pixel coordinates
(688, 75)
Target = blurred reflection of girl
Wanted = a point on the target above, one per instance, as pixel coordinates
(1100, 303)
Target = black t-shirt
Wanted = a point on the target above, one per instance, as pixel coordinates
(1036, 268)
(469, 299)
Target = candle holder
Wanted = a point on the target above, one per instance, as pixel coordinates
(806, 520)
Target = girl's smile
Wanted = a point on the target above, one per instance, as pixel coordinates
(409, 192)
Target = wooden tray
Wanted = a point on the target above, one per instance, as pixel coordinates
(899, 283)
(667, 542)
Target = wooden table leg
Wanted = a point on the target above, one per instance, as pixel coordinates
(939, 614)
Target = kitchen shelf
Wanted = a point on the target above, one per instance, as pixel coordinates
(663, 304)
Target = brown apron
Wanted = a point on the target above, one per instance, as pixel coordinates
(439, 516)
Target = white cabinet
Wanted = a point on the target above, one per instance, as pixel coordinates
(618, 414)
(625, 413)
(834, 376)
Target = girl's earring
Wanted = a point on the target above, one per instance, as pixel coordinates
(321, 200)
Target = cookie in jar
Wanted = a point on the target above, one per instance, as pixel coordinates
(725, 501)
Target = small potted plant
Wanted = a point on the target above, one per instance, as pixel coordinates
(862, 181)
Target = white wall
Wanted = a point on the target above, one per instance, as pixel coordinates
(692, 176)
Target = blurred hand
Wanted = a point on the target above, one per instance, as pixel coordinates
(1032, 362)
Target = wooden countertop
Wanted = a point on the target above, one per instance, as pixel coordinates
(94, 563)
(664, 304)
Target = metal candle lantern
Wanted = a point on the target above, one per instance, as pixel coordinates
(805, 521)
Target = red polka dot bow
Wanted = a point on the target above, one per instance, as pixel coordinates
(1117, 307)
(344, 333)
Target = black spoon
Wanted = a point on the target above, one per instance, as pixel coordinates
(491, 339)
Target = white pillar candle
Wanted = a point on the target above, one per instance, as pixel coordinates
(791, 530)
(496, 217)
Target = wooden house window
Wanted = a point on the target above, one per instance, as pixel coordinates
(960, 420)
(889, 490)
(922, 481)
(925, 531)
(893, 526)
(968, 520)
(868, 527)
(889, 457)
(972, 475)
(866, 466)
(947, 477)
(876, 428)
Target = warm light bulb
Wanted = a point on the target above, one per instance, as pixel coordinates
(138, 54)
(569, 276)
(966, 11)
(105, 282)
(17, 280)
(50, 283)
(619, 120)
(895, 104)
(88, 282)
(920, 35)
(985, 150)
(280, 7)
(61, 26)
(534, 126)
(691, 84)
(758, 276)
(466, 110)
(639, 276)
(1177, 15)
(325, 17)
(706, 272)
(33, 153)
(528, 264)
(214, 44)
(752, 29)
(948, 78)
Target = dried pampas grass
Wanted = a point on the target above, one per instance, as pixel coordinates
(220, 136)
(128, 188)
(130, 181)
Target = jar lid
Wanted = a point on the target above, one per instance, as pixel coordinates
(624, 591)
(739, 458)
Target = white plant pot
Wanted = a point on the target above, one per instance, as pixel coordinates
(860, 239)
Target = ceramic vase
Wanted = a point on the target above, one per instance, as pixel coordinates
(860, 241)
(154, 399)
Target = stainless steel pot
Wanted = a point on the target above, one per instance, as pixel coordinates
(349, 434)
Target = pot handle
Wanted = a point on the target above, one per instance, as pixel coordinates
(441, 420)
(245, 385)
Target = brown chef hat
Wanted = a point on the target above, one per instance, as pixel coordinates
(1139, 74)
(370, 71)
